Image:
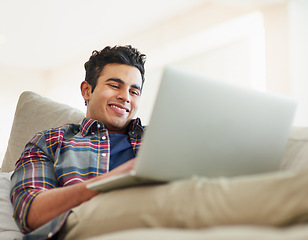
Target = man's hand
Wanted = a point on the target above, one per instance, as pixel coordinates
(125, 167)
(51, 203)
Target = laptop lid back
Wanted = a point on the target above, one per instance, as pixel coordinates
(211, 128)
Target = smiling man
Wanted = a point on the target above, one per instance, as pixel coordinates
(116, 97)
(51, 175)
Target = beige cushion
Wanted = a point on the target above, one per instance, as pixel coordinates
(8, 227)
(273, 199)
(296, 152)
(33, 114)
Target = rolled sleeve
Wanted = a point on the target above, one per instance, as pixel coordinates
(34, 173)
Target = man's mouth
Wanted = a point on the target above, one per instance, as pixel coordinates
(119, 108)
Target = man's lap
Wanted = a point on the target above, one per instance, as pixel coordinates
(194, 203)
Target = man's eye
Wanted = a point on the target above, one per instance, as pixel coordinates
(113, 86)
(135, 93)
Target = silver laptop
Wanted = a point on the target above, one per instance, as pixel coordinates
(208, 128)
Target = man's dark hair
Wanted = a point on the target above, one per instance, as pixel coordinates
(117, 54)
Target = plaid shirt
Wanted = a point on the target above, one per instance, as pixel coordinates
(60, 157)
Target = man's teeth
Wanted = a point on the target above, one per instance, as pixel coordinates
(118, 108)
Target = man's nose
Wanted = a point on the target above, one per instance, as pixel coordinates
(124, 96)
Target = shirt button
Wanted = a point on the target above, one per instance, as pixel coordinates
(98, 125)
(104, 154)
(50, 235)
(104, 137)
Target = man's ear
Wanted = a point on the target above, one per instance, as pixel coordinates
(86, 91)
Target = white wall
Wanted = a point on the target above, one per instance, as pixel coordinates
(64, 83)
(13, 83)
(216, 41)
(287, 53)
(298, 57)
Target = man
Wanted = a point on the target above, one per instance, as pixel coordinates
(51, 175)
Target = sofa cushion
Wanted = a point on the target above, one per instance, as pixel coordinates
(8, 227)
(33, 114)
(295, 156)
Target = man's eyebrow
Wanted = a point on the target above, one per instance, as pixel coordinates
(118, 80)
(115, 80)
(136, 87)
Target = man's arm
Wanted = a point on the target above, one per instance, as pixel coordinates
(51, 203)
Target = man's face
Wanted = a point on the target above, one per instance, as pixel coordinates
(116, 96)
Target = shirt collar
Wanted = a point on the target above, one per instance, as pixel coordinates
(88, 124)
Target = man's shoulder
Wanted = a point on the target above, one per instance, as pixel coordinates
(56, 132)
(59, 129)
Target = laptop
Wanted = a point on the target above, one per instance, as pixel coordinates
(210, 128)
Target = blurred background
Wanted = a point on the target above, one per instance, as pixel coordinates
(260, 44)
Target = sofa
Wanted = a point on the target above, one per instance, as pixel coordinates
(265, 206)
